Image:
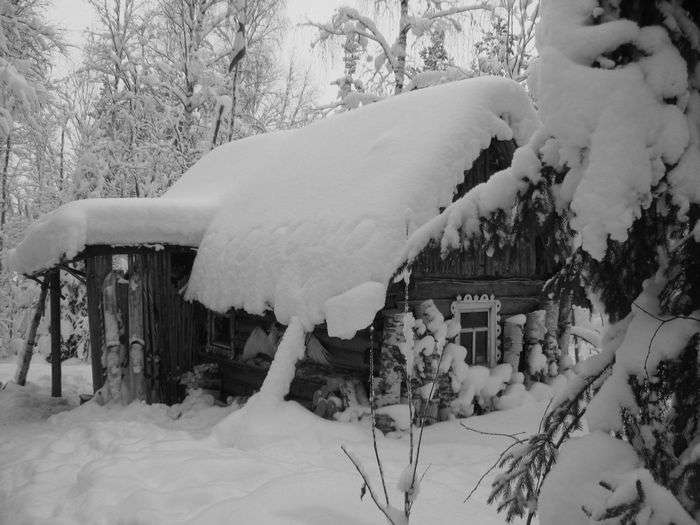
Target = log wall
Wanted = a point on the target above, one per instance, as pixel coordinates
(516, 295)
(174, 328)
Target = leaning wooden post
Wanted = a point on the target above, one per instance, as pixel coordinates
(55, 286)
(136, 338)
(23, 367)
(115, 353)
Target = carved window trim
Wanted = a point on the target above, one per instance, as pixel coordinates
(483, 303)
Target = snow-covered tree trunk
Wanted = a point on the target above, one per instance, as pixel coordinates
(564, 327)
(535, 331)
(513, 341)
(3, 187)
(387, 386)
(281, 373)
(399, 48)
(551, 348)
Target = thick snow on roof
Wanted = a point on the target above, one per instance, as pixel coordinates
(290, 220)
(65, 232)
(317, 212)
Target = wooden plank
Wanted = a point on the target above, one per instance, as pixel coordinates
(136, 336)
(509, 305)
(436, 288)
(114, 356)
(240, 379)
(516, 261)
(96, 268)
(103, 249)
(55, 301)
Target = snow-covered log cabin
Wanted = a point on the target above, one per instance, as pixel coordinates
(312, 227)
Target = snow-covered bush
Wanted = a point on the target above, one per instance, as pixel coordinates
(442, 384)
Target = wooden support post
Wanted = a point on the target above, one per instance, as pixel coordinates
(55, 286)
(23, 367)
(96, 268)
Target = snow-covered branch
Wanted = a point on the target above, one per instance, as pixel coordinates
(432, 15)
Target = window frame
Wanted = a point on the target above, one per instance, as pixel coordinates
(483, 303)
(217, 347)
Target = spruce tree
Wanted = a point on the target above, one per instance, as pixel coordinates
(611, 184)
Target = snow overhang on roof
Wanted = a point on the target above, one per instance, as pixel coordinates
(64, 233)
(291, 220)
(329, 209)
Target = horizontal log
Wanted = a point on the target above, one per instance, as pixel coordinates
(243, 379)
(509, 305)
(422, 288)
(139, 249)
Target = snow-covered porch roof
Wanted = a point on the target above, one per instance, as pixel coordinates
(64, 233)
(300, 221)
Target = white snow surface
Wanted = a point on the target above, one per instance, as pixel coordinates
(353, 310)
(650, 338)
(574, 480)
(274, 464)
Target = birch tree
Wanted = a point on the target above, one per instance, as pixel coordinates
(390, 52)
(507, 44)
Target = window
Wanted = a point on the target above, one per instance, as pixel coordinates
(220, 331)
(479, 331)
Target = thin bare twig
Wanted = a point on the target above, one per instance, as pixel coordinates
(371, 409)
(422, 421)
(485, 433)
(372, 494)
(662, 322)
(491, 468)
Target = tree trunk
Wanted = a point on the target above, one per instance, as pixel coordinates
(3, 193)
(23, 366)
(234, 97)
(564, 325)
(61, 156)
(233, 66)
(513, 341)
(400, 70)
(3, 189)
(387, 386)
(550, 347)
(577, 349)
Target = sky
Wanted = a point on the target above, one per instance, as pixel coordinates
(75, 16)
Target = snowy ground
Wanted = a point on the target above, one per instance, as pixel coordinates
(64, 464)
